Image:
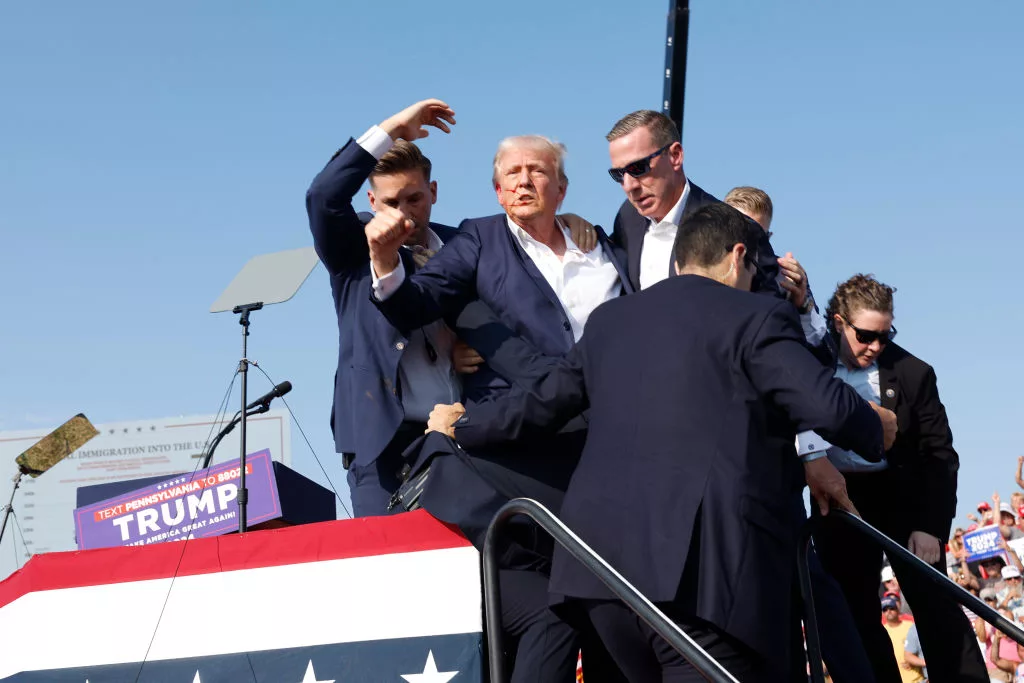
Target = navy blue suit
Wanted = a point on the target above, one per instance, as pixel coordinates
(367, 410)
(695, 392)
(485, 262)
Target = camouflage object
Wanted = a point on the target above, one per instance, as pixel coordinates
(57, 445)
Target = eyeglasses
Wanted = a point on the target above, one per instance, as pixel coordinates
(869, 336)
(636, 168)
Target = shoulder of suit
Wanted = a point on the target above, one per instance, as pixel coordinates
(483, 225)
(903, 362)
(445, 232)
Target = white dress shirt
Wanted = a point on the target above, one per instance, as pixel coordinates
(425, 372)
(656, 257)
(581, 281)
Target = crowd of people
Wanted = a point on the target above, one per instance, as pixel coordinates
(667, 389)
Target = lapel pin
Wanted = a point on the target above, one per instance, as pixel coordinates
(890, 393)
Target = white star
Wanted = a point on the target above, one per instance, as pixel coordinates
(310, 677)
(430, 673)
(197, 679)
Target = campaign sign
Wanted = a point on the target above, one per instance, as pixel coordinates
(983, 544)
(189, 506)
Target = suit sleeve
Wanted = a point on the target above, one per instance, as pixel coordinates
(508, 354)
(534, 406)
(441, 289)
(781, 368)
(337, 229)
(939, 460)
(618, 236)
(767, 279)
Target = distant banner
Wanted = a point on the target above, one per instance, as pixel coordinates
(983, 544)
(189, 506)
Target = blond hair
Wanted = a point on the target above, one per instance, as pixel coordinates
(751, 200)
(537, 143)
(859, 293)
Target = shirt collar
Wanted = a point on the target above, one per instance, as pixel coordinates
(522, 235)
(434, 242)
(676, 212)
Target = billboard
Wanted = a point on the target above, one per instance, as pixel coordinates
(122, 450)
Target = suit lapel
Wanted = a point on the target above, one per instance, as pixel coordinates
(528, 265)
(615, 256)
(888, 383)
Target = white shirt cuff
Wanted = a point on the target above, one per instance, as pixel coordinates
(814, 327)
(376, 142)
(808, 443)
(383, 287)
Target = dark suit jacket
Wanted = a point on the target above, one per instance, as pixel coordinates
(630, 227)
(367, 406)
(485, 261)
(922, 458)
(695, 393)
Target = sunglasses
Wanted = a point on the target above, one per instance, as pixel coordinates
(869, 336)
(890, 609)
(636, 168)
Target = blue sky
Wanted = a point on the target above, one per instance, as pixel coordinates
(148, 151)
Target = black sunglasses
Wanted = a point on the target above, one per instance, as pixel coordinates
(869, 336)
(636, 168)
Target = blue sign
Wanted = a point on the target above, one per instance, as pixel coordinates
(983, 544)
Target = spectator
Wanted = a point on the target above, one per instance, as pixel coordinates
(1008, 523)
(1020, 467)
(913, 656)
(1003, 659)
(955, 553)
(1019, 676)
(898, 631)
(899, 603)
(1011, 596)
(986, 516)
(892, 587)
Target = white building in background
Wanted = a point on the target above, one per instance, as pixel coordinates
(44, 506)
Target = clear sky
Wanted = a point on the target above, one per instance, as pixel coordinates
(148, 150)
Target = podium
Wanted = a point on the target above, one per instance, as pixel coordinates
(354, 601)
(199, 504)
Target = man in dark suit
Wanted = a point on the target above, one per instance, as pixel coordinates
(387, 379)
(919, 471)
(689, 467)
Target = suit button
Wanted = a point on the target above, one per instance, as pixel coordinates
(567, 326)
(400, 346)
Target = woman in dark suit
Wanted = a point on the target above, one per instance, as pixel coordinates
(910, 496)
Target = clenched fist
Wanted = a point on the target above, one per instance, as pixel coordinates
(386, 232)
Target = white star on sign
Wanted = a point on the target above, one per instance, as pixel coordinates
(310, 677)
(197, 679)
(430, 673)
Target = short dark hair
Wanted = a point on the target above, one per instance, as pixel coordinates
(403, 156)
(712, 230)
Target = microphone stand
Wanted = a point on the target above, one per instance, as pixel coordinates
(258, 410)
(243, 368)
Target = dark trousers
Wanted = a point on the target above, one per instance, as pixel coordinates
(371, 486)
(642, 655)
(855, 562)
(540, 646)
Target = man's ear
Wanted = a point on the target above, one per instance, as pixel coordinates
(675, 264)
(433, 192)
(373, 200)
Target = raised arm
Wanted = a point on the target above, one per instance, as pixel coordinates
(337, 229)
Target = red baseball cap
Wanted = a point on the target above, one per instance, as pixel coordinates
(984, 506)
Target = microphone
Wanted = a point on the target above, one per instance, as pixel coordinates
(264, 400)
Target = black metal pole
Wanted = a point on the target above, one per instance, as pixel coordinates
(676, 41)
(10, 503)
(243, 367)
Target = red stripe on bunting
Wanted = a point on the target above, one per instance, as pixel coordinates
(338, 540)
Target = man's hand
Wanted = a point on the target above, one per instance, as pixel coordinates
(925, 546)
(889, 427)
(408, 124)
(827, 486)
(385, 233)
(581, 231)
(465, 359)
(443, 417)
(793, 279)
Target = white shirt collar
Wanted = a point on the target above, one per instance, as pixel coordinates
(519, 232)
(434, 242)
(675, 213)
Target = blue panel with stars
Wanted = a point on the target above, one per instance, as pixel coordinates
(431, 659)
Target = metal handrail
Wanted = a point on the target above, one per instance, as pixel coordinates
(634, 599)
(892, 549)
